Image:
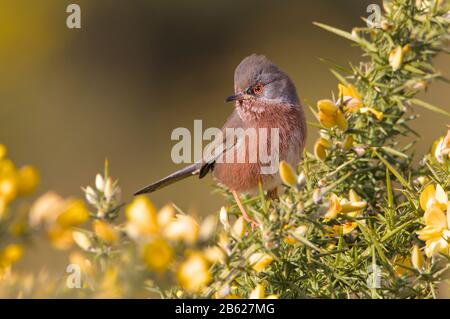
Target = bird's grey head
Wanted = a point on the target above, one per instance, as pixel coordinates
(258, 79)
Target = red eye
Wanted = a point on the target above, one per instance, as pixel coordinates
(258, 89)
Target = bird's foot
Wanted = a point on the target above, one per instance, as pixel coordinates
(249, 219)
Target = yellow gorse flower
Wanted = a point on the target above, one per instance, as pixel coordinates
(259, 261)
(3, 151)
(436, 232)
(141, 218)
(348, 91)
(417, 259)
(144, 222)
(330, 115)
(432, 195)
(46, 209)
(406, 49)
(58, 216)
(8, 188)
(61, 238)
(320, 148)
(239, 227)
(350, 98)
(109, 287)
(287, 174)
(28, 179)
(352, 207)
(85, 264)
(320, 151)
(104, 231)
(300, 231)
(183, 228)
(156, 230)
(378, 115)
(157, 255)
(441, 150)
(166, 215)
(3, 208)
(401, 265)
(348, 142)
(14, 182)
(208, 228)
(259, 293)
(334, 207)
(214, 254)
(82, 240)
(74, 214)
(353, 103)
(396, 58)
(193, 274)
(10, 254)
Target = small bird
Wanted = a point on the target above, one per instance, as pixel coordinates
(265, 98)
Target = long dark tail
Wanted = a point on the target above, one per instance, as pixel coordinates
(183, 173)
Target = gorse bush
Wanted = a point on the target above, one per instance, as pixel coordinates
(356, 220)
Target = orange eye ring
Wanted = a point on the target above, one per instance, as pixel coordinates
(258, 89)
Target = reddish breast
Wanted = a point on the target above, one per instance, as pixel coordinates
(290, 122)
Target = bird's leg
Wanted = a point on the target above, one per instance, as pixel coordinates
(242, 209)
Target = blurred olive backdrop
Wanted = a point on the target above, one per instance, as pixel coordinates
(136, 70)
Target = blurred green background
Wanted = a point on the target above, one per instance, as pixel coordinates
(136, 70)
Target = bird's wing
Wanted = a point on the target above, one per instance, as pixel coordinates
(218, 147)
(201, 168)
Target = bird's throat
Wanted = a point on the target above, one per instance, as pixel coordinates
(250, 110)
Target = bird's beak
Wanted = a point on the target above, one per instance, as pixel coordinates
(235, 97)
